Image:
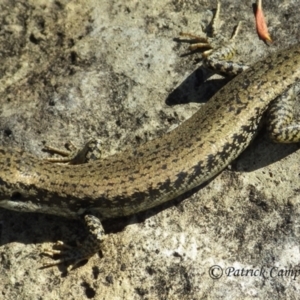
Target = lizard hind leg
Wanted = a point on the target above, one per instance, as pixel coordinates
(88, 248)
(282, 124)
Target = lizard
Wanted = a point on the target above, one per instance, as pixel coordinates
(161, 169)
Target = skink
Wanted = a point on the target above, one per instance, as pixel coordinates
(161, 169)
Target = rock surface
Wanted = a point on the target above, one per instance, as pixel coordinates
(72, 70)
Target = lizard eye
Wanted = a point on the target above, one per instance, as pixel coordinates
(16, 196)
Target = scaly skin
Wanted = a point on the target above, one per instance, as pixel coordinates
(161, 169)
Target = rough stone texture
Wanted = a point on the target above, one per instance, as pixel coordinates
(71, 70)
